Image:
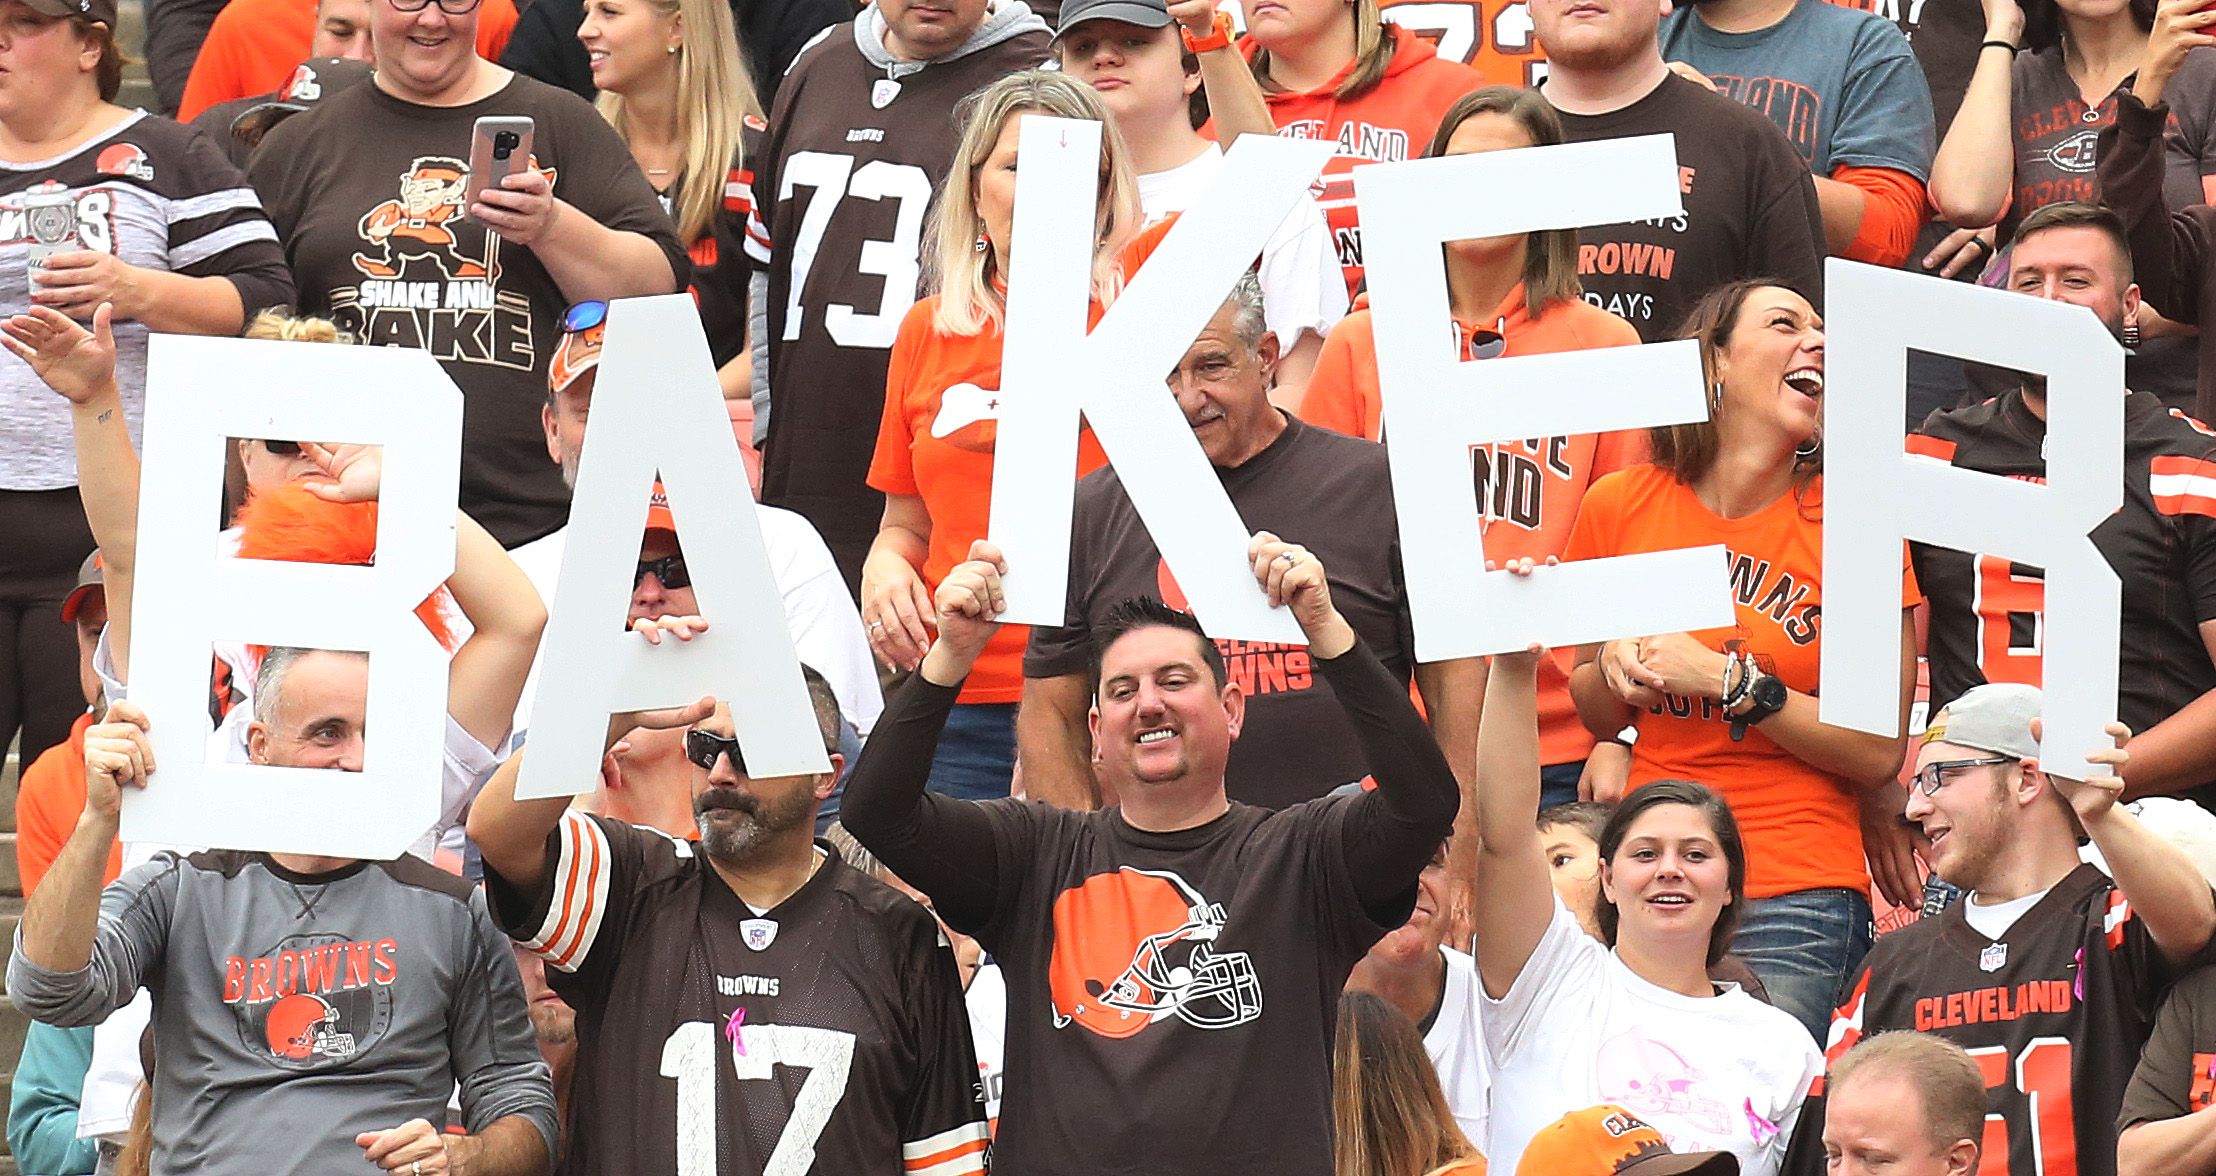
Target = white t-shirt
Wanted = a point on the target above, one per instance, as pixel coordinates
(987, 1000)
(826, 628)
(1578, 1028)
(1456, 1044)
(1303, 288)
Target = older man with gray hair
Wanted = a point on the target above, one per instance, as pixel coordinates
(1327, 492)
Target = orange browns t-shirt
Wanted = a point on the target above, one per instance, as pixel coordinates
(254, 45)
(48, 801)
(1494, 37)
(1392, 121)
(1528, 491)
(1799, 824)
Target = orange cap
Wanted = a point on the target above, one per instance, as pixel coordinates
(1611, 1141)
(576, 354)
(658, 517)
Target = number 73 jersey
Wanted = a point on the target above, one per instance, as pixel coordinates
(2055, 1011)
(825, 1036)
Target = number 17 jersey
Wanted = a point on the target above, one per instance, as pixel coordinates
(823, 1037)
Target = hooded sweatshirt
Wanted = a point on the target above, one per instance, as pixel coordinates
(1005, 20)
(1392, 120)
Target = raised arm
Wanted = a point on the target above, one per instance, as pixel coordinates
(940, 845)
(1971, 175)
(485, 679)
(1235, 100)
(1515, 899)
(2166, 890)
(80, 365)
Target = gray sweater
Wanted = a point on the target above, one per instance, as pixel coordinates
(292, 1012)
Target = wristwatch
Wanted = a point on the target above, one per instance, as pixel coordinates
(1765, 699)
(1216, 39)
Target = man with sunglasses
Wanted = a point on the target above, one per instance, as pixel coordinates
(746, 1003)
(2048, 969)
(389, 235)
(826, 629)
(1328, 491)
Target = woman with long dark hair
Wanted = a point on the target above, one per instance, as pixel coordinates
(1389, 1115)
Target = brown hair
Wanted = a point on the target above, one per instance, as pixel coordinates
(1388, 1114)
(1550, 255)
(1721, 823)
(1374, 45)
(2073, 214)
(1945, 1078)
(109, 73)
(1689, 451)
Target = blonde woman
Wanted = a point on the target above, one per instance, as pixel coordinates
(1389, 1115)
(934, 460)
(673, 86)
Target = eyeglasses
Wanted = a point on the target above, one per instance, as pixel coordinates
(670, 570)
(704, 748)
(449, 7)
(1932, 777)
(1486, 344)
(583, 316)
(282, 448)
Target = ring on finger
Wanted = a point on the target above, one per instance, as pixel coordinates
(1288, 558)
(876, 625)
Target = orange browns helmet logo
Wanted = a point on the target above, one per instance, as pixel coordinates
(303, 1027)
(1134, 947)
(125, 159)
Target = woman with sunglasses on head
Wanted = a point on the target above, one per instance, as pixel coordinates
(1735, 707)
(1514, 295)
(672, 82)
(393, 239)
(934, 459)
(110, 205)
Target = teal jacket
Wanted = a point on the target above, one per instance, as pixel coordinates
(42, 1108)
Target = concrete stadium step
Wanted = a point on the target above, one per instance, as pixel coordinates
(11, 880)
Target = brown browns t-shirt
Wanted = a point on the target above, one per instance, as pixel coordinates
(2176, 1075)
(1325, 491)
(368, 193)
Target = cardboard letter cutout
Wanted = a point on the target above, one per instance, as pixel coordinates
(1876, 494)
(199, 393)
(1052, 369)
(1437, 405)
(657, 406)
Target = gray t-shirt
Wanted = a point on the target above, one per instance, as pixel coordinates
(295, 1011)
(1842, 84)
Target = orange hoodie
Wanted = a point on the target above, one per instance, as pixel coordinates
(1391, 121)
(1531, 488)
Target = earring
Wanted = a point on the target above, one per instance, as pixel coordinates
(984, 243)
(673, 51)
(1809, 448)
(1715, 395)
(2131, 333)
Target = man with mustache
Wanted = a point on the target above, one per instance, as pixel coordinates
(1987, 613)
(1327, 491)
(746, 1004)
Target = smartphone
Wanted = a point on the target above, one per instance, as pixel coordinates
(52, 220)
(499, 147)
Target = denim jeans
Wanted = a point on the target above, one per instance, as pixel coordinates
(1558, 783)
(977, 752)
(1804, 945)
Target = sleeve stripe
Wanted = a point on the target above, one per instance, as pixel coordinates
(757, 237)
(2179, 492)
(1922, 445)
(573, 915)
(203, 247)
(2118, 914)
(208, 204)
(959, 1151)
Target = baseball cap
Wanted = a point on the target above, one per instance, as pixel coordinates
(1611, 1141)
(312, 81)
(88, 583)
(1147, 14)
(1995, 717)
(658, 517)
(102, 11)
(584, 329)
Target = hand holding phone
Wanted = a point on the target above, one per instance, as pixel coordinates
(499, 147)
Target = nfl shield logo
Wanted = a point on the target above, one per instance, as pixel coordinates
(760, 933)
(1993, 958)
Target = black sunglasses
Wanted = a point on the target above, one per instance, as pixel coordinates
(703, 748)
(1487, 344)
(670, 570)
(282, 448)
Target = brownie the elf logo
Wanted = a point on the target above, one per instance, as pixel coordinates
(313, 1001)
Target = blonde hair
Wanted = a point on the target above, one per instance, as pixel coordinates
(1374, 45)
(1389, 1116)
(714, 97)
(276, 324)
(963, 275)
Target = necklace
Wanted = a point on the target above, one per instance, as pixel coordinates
(657, 171)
